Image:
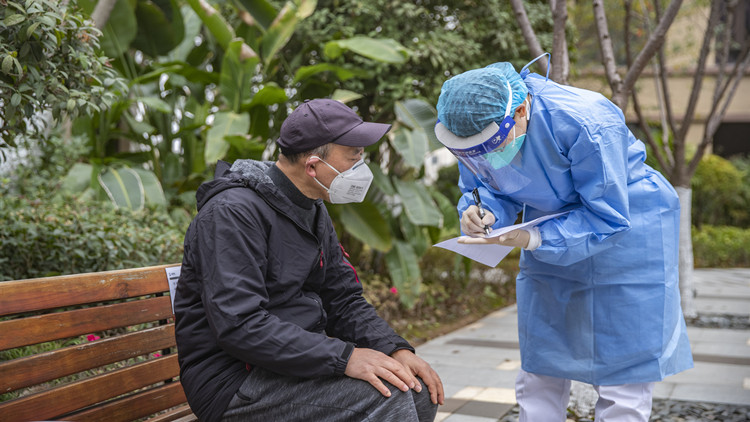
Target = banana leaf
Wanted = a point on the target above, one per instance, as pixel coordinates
(403, 266)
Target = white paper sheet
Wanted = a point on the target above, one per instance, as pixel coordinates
(490, 255)
(173, 275)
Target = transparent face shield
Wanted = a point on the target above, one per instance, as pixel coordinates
(487, 154)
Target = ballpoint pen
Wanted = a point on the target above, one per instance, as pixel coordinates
(478, 201)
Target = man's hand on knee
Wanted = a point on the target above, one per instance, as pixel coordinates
(370, 365)
(418, 367)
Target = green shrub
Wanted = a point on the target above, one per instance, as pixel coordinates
(41, 238)
(721, 246)
(721, 193)
(49, 63)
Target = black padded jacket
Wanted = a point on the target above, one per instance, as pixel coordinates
(257, 288)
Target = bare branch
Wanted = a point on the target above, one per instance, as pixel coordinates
(662, 155)
(698, 77)
(722, 54)
(652, 45)
(559, 44)
(661, 67)
(607, 52)
(528, 32)
(659, 77)
(718, 110)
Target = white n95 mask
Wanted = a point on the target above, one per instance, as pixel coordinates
(349, 186)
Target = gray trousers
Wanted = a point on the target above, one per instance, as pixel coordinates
(269, 397)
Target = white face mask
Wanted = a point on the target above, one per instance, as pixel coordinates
(349, 186)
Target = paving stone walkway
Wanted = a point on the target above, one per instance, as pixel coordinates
(478, 363)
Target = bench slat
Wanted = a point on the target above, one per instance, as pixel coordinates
(189, 418)
(54, 326)
(136, 406)
(53, 292)
(68, 398)
(40, 368)
(182, 414)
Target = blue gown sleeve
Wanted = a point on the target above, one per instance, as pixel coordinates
(599, 170)
(504, 209)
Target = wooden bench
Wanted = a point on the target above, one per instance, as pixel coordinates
(90, 347)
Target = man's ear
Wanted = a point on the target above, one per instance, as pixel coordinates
(310, 163)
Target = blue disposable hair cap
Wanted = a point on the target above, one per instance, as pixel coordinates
(472, 100)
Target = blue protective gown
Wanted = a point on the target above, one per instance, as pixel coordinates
(598, 301)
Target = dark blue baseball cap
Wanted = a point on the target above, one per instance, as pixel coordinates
(322, 121)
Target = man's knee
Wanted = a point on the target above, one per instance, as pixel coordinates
(426, 409)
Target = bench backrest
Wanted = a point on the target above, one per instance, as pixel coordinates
(96, 346)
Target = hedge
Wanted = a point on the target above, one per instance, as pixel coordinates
(721, 246)
(40, 239)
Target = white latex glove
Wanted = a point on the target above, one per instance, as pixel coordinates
(472, 224)
(516, 239)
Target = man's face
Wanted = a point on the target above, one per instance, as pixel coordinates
(340, 157)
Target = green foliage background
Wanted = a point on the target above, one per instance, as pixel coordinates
(49, 62)
(41, 239)
(46, 232)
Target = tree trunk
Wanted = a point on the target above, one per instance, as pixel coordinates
(528, 32)
(559, 72)
(101, 12)
(687, 291)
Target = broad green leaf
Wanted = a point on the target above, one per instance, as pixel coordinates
(380, 180)
(333, 50)
(160, 27)
(151, 187)
(237, 141)
(121, 28)
(245, 147)
(78, 178)
(415, 113)
(305, 8)
(451, 226)
(13, 19)
(415, 235)
(412, 145)
(279, 32)
(419, 206)
(123, 187)
(262, 12)
(342, 73)
(155, 74)
(138, 128)
(403, 266)
(177, 68)
(9, 62)
(236, 75)
(192, 27)
(270, 94)
(418, 114)
(225, 124)
(31, 29)
(155, 103)
(363, 221)
(213, 20)
(259, 117)
(383, 50)
(345, 96)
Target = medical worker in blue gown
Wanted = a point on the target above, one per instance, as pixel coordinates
(598, 297)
